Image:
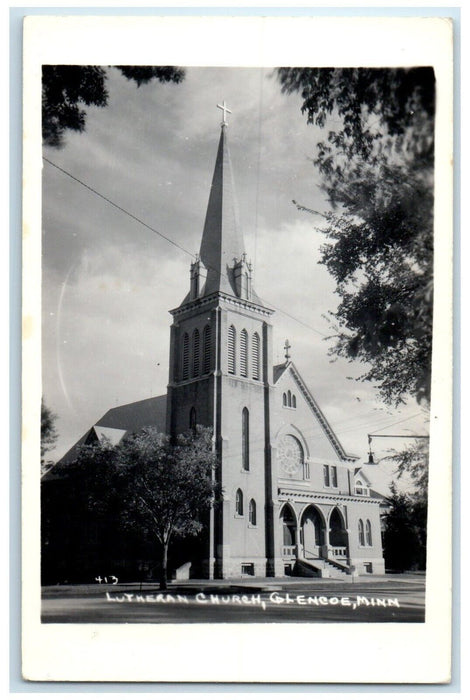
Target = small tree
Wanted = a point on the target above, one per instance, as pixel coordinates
(405, 532)
(166, 487)
(48, 435)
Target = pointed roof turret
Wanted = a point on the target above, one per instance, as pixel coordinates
(222, 241)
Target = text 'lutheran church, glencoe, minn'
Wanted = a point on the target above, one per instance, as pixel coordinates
(293, 500)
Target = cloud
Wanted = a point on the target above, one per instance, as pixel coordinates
(109, 281)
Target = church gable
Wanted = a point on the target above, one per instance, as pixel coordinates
(296, 406)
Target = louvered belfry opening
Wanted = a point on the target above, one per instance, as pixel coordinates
(244, 353)
(255, 356)
(185, 367)
(232, 339)
(206, 350)
(195, 352)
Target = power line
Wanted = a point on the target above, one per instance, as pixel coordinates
(375, 435)
(166, 238)
(124, 211)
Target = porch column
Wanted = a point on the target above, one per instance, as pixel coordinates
(325, 548)
(299, 550)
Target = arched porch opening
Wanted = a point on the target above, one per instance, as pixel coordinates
(288, 523)
(312, 532)
(338, 535)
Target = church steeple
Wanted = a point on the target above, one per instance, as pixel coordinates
(222, 248)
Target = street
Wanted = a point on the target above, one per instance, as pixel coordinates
(398, 598)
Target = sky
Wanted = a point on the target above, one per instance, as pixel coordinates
(108, 281)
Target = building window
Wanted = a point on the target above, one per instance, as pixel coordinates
(239, 502)
(232, 337)
(289, 400)
(334, 477)
(306, 470)
(185, 373)
(248, 569)
(368, 533)
(252, 512)
(244, 353)
(255, 356)
(246, 439)
(192, 418)
(361, 533)
(360, 489)
(326, 475)
(291, 457)
(195, 352)
(206, 350)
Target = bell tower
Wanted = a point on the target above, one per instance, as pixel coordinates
(221, 375)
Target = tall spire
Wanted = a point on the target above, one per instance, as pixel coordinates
(222, 241)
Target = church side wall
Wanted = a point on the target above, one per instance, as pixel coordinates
(365, 557)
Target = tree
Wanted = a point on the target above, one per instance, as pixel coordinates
(167, 487)
(376, 169)
(404, 538)
(110, 507)
(413, 461)
(67, 89)
(48, 434)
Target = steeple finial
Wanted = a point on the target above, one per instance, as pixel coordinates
(224, 109)
(287, 347)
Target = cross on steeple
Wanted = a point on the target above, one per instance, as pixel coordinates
(224, 109)
(287, 347)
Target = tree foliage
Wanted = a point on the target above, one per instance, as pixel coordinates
(167, 487)
(66, 90)
(147, 487)
(376, 167)
(413, 461)
(404, 540)
(48, 434)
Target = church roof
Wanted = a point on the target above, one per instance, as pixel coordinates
(278, 371)
(222, 239)
(119, 421)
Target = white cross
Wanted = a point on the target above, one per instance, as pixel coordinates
(225, 109)
(287, 347)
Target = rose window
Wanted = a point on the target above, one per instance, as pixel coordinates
(291, 456)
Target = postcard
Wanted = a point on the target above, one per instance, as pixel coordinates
(237, 349)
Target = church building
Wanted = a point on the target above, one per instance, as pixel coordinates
(294, 501)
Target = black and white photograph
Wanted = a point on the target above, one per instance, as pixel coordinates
(236, 360)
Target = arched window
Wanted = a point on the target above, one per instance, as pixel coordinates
(289, 398)
(195, 352)
(244, 353)
(368, 533)
(255, 364)
(360, 490)
(232, 338)
(206, 350)
(239, 502)
(361, 533)
(284, 399)
(252, 512)
(246, 439)
(294, 401)
(192, 418)
(185, 363)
